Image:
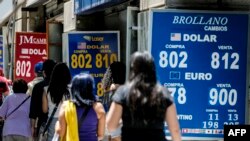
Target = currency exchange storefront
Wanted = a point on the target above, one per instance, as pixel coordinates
(201, 56)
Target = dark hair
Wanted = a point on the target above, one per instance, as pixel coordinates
(48, 66)
(142, 67)
(20, 86)
(144, 92)
(82, 89)
(3, 87)
(115, 73)
(118, 70)
(58, 85)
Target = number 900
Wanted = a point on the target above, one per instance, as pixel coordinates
(223, 96)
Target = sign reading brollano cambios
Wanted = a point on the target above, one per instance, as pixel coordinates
(201, 56)
(30, 48)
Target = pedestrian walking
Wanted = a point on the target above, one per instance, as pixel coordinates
(4, 86)
(38, 77)
(55, 93)
(83, 117)
(36, 113)
(15, 113)
(143, 104)
(114, 76)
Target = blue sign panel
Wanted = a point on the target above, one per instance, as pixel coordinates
(1, 51)
(93, 52)
(92, 5)
(202, 58)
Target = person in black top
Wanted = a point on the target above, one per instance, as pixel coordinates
(36, 114)
(143, 104)
(114, 76)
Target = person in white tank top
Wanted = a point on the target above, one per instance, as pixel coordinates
(56, 93)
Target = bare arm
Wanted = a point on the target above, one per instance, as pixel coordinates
(101, 115)
(45, 102)
(173, 124)
(61, 124)
(113, 117)
(33, 127)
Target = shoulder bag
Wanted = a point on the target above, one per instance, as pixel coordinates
(18, 106)
(43, 131)
(84, 114)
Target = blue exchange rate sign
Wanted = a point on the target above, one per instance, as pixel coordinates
(202, 58)
(93, 52)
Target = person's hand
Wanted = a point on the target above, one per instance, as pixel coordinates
(113, 87)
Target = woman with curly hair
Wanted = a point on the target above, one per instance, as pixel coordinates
(112, 79)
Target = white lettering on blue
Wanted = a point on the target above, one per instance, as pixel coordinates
(199, 38)
(198, 76)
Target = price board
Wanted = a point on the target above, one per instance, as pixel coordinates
(30, 49)
(91, 52)
(201, 57)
